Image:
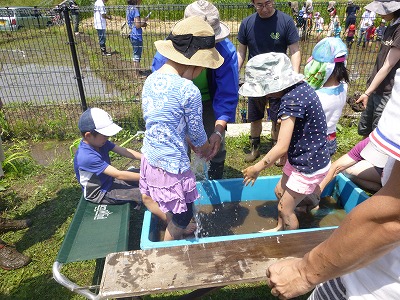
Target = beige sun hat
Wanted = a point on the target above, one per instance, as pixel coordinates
(210, 13)
(383, 7)
(268, 73)
(192, 43)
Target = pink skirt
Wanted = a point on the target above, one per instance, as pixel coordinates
(170, 191)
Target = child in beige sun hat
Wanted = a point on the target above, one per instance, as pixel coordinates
(302, 135)
(172, 110)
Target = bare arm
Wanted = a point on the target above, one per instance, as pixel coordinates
(241, 54)
(347, 249)
(285, 134)
(338, 166)
(105, 16)
(129, 153)
(295, 56)
(139, 22)
(215, 140)
(121, 175)
(391, 60)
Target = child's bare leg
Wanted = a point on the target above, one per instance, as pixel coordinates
(153, 207)
(279, 190)
(189, 230)
(173, 232)
(287, 219)
(288, 200)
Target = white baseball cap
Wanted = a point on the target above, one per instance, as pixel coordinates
(98, 120)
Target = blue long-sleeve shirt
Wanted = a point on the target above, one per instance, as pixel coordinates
(223, 82)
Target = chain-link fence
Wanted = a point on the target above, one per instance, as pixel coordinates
(49, 73)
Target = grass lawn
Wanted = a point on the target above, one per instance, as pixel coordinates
(48, 194)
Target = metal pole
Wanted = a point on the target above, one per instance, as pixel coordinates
(71, 42)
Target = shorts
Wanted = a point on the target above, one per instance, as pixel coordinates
(331, 143)
(174, 193)
(137, 49)
(299, 182)
(122, 192)
(370, 116)
(256, 108)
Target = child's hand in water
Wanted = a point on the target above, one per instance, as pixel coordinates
(250, 174)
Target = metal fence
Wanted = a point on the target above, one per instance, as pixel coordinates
(48, 74)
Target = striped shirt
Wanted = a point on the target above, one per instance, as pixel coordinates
(172, 110)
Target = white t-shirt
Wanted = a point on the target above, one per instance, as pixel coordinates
(99, 10)
(380, 280)
(368, 17)
(333, 99)
(319, 24)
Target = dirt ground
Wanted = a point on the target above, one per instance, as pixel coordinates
(45, 152)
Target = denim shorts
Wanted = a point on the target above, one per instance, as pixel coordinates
(137, 49)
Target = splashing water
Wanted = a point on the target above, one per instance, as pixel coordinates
(199, 167)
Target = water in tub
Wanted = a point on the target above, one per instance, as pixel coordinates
(249, 216)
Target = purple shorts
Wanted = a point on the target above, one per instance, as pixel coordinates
(171, 191)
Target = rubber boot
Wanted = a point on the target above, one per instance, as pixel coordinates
(104, 52)
(216, 170)
(255, 150)
(13, 225)
(10, 258)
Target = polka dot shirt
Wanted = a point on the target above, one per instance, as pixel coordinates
(308, 151)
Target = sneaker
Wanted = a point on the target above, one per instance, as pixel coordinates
(11, 259)
(13, 225)
(105, 53)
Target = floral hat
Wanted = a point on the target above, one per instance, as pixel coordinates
(268, 73)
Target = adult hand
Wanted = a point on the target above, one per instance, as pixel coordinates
(215, 143)
(364, 99)
(286, 279)
(250, 175)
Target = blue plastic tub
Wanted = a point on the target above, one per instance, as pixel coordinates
(345, 192)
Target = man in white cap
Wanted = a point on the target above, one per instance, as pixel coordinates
(267, 30)
(219, 87)
(361, 259)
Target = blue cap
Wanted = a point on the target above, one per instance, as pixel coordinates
(330, 50)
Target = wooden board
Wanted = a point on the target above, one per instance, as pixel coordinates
(197, 266)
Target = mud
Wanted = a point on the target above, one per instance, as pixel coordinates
(44, 153)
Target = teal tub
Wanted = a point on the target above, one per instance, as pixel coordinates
(345, 192)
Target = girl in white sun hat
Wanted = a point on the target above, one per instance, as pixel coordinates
(302, 135)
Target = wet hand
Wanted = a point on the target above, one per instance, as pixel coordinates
(215, 143)
(285, 279)
(250, 175)
(203, 151)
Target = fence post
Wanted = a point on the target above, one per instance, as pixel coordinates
(65, 10)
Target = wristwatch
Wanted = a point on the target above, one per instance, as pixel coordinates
(219, 134)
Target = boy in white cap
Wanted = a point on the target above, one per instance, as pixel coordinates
(100, 181)
(172, 110)
(302, 135)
